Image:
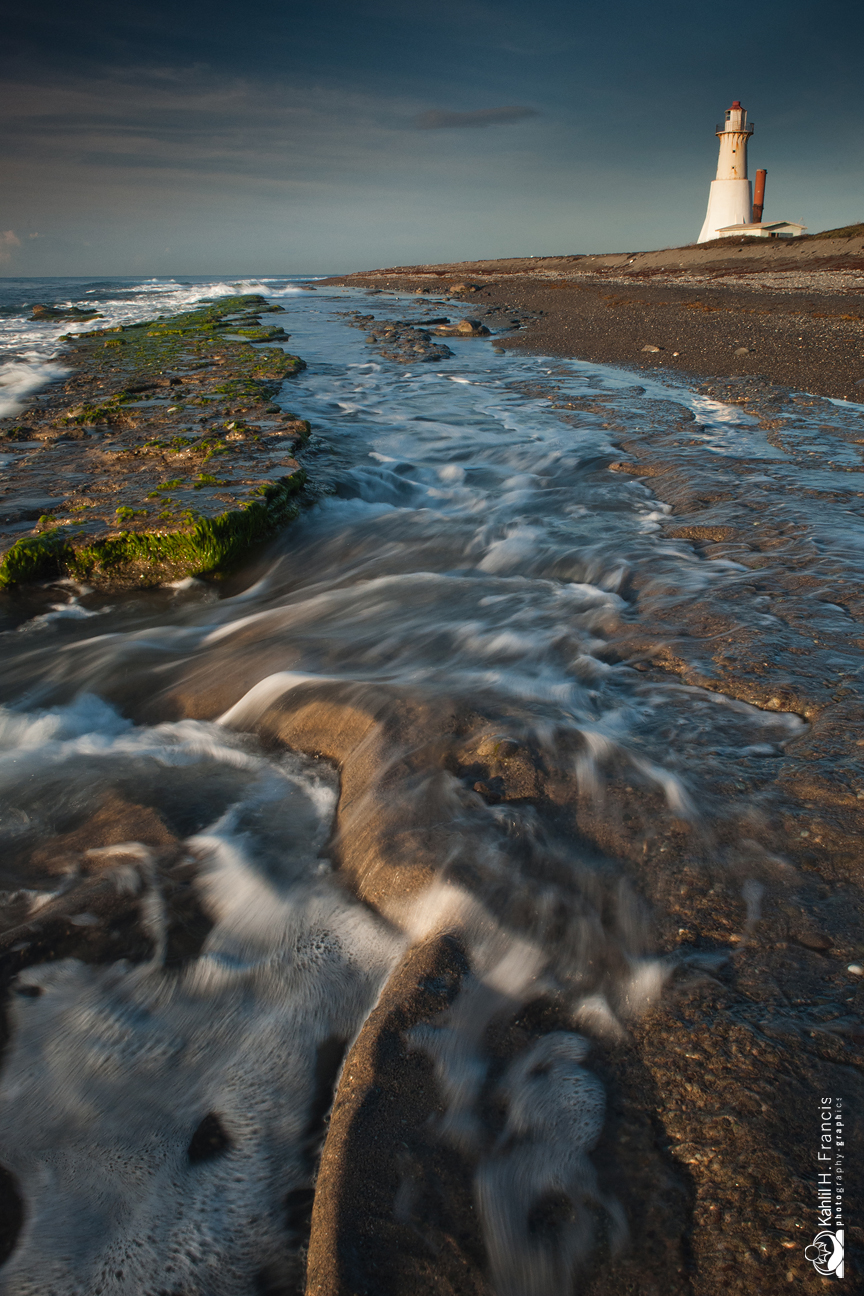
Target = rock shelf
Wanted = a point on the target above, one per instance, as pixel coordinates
(403, 341)
(161, 455)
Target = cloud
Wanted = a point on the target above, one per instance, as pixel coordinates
(8, 239)
(437, 119)
(128, 122)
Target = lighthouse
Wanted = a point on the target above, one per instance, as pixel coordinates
(729, 202)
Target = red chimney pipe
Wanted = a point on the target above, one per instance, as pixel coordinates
(759, 196)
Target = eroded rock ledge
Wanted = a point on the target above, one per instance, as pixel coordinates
(161, 456)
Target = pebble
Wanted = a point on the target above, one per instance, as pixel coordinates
(465, 328)
(856, 969)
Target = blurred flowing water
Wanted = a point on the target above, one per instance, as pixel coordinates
(467, 548)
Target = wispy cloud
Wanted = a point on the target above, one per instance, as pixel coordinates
(190, 120)
(438, 119)
(8, 240)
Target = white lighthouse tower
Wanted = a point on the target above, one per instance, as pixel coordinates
(730, 201)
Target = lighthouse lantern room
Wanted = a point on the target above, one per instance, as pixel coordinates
(730, 200)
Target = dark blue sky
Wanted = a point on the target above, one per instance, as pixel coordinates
(207, 138)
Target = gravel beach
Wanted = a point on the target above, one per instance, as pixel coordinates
(788, 311)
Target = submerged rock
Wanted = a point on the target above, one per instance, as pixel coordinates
(402, 341)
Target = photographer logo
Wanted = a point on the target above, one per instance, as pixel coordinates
(826, 1253)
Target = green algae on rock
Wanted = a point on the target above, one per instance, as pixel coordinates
(206, 546)
(161, 456)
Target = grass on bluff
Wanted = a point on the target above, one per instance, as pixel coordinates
(846, 231)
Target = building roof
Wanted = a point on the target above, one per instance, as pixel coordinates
(764, 229)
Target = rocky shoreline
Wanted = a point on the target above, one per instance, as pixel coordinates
(161, 455)
(755, 910)
(790, 312)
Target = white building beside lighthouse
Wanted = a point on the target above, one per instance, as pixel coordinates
(730, 200)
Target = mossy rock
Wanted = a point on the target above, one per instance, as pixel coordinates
(126, 545)
(207, 546)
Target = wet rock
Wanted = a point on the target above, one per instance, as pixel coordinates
(713, 533)
(642, 469)
(505, 770)
(429, 1177)
(27, 508)
(97, 877)
(465, 328)
(394, 1210)
(403, 341)
(40, 312)
(388, 838)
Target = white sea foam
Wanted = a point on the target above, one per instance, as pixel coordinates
(511, 550)
(39, 730)
(112, 1069)
(555, 1111)
(20, 379)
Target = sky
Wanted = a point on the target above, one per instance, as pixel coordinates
(202, 137)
